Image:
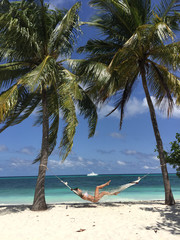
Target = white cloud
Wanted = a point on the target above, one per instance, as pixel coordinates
(121, 163)
(27, 150)
(52, 6)
(58, 164)
(100, 163)
(130, 152)
(60, 4)
(161, 110)
(105, 151)
(133, 107)
(3, 148)
(148, 167)
(116, 135)
(137, 106)
(53, 163)
(90, 163)
(68, 163)
(155, 158)
(176, 112)
(139, 155)
(106, 109)
(20, 163)
(80, 158)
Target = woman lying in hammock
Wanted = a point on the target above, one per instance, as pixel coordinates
(97, 195)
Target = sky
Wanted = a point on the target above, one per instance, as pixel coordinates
(110, 151)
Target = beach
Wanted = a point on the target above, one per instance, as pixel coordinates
(76, 221)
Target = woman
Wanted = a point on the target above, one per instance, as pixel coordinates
(97, 195)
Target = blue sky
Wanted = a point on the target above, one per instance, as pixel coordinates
(110, 151)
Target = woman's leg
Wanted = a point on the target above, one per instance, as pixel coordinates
(98, 195)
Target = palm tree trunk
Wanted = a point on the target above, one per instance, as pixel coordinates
(169, 199)
(39, 196)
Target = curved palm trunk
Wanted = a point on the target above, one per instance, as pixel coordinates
(169, 199)
(39, 197)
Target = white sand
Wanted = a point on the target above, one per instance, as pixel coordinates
(122, 221)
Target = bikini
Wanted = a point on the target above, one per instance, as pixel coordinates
(86, 194)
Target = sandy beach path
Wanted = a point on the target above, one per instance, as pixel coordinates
(121, 221)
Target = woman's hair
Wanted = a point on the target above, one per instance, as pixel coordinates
(76, 189)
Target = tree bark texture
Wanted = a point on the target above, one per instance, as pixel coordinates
(169, 199)
(39, 196)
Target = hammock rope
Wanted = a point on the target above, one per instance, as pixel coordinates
(65, 183)
(120, 189)
(123, 187)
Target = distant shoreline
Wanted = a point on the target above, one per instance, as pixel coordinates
(20, 190)
(99, 174)
(86, 204)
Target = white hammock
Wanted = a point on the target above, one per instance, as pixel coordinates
(123, 187)
(114, 191)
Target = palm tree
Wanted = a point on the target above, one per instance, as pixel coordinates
(33, 41)
(134, 46)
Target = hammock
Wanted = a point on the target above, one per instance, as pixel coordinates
(114, 191)
(117, 190)
(65, 183)
(123, 187)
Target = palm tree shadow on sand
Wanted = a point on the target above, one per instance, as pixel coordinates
(170, 218)
(4, 209)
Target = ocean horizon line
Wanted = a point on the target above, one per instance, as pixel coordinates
(99, 174)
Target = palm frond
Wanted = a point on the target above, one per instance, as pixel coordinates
(99, 47)
(54, 122)
(167, 7)
(4, 6)
(123, 57)
(163, 31)
(93, 70)
(8, 100)
(168, 55)
(10, 71)
(168, 11)
(69, 116)
(26, 104)
(32, 80)
(62, 38)
(123, 97)
(163, 84)
(19, 25)
(70, 83)
(41, 74)
(118, 10)
(88, 110)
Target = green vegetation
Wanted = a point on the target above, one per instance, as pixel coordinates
(137, 41)
(173, 155)
(34, 40)
(134, 45)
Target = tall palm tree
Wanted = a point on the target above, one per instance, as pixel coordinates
(134, 46)
(33, 41)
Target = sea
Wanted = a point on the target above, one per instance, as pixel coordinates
(20, 190)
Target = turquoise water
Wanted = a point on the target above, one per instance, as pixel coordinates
(20, 190)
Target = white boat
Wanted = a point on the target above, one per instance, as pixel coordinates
(92, 174)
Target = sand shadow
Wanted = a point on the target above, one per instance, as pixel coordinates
(109, 204)
(93, 205)
(8, 209)
(170, 218)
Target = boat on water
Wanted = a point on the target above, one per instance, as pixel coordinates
(92, 174)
